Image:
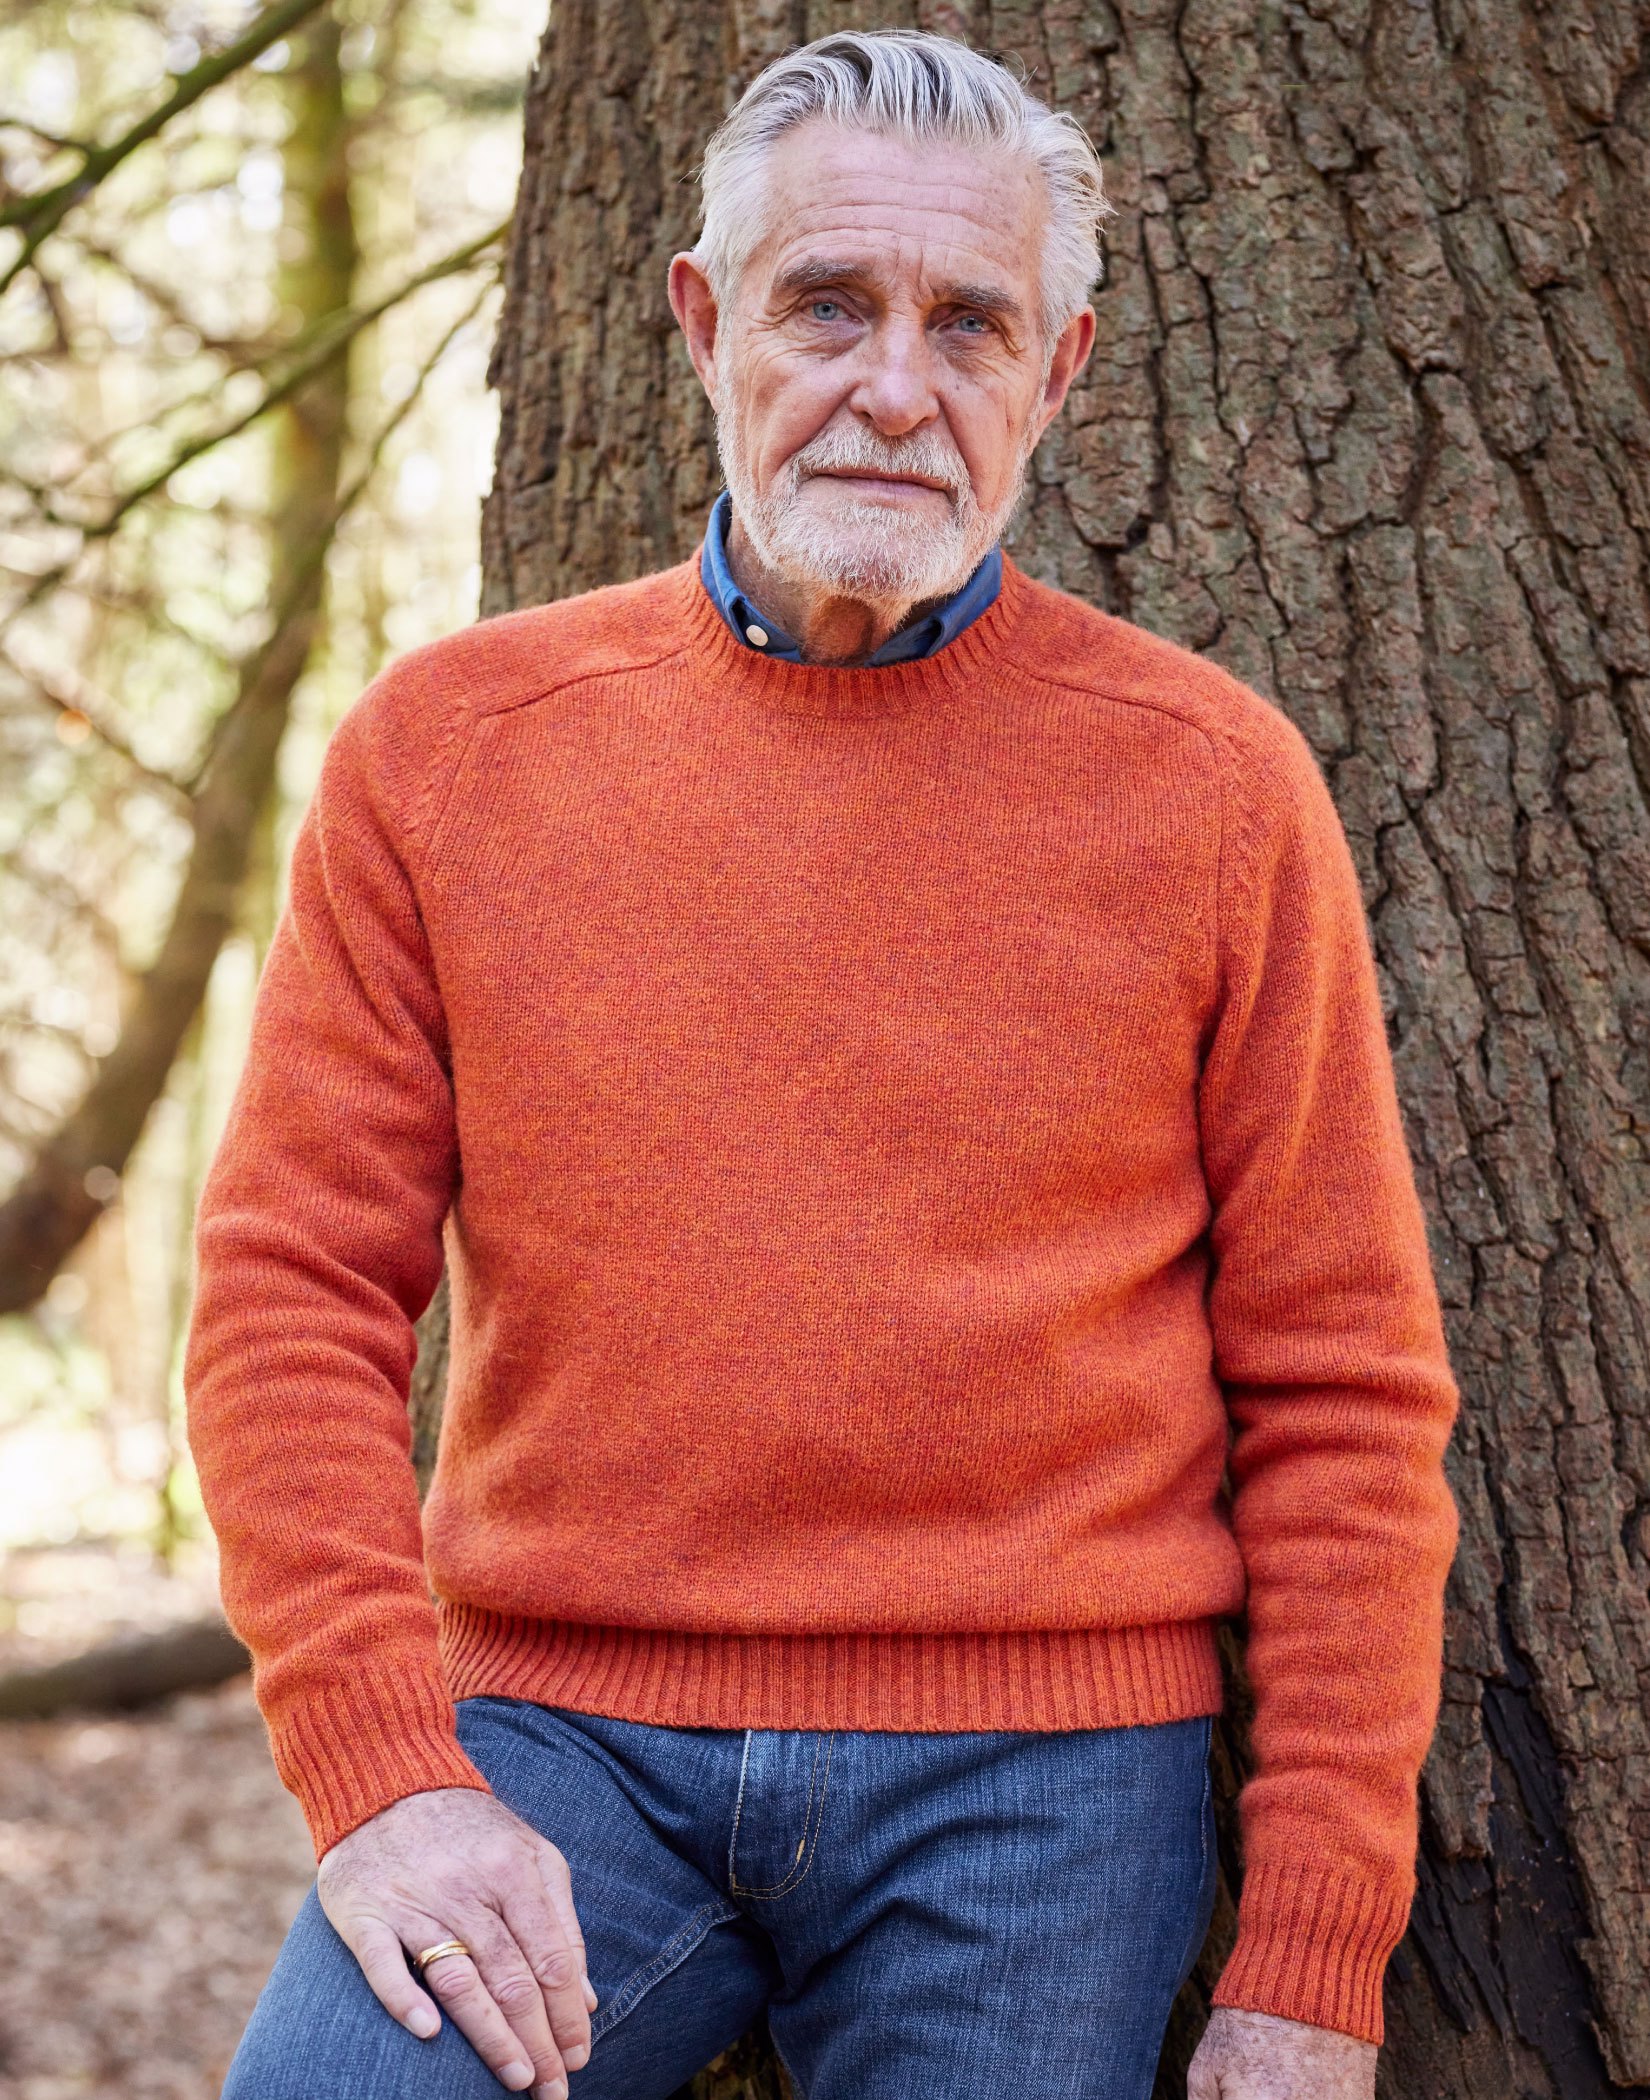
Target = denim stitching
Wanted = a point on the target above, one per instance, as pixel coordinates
(1195, 1945)
(777, 1888)
(811, 1817)
(1203, 1806)
(738, 1810)
(670, 1956)
(811, 1821)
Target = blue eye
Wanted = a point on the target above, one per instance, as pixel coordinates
(824, 309)
(973, 322)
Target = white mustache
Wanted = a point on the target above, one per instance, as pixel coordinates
(849, 451)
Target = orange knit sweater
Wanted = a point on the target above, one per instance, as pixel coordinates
(892, 1130)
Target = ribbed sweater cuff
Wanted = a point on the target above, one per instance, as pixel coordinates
(1313, 1945)
(352, 1748)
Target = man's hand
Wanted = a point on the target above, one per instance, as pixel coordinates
(455, 1864)
(1256, 2056)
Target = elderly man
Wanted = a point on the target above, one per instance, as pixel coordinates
(895, 1058)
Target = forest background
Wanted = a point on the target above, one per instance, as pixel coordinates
(244, 434)
(1368, 422)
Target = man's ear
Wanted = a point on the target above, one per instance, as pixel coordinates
(1071, 354)
(694, 304)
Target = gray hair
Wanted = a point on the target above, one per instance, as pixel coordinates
(916, 86)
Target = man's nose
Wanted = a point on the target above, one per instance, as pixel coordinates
(895, 388)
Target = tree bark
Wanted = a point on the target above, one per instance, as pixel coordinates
(1367, 423)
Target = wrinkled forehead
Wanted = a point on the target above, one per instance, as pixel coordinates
(913, 217)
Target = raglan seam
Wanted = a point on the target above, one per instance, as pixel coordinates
(574, 679)
(1221, 741)
(423, 827)
(438, 819)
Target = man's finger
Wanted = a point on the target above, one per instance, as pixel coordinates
(455, 1980)
(506, 1973)
(556, 1958)
(383, 1962)
(558, 1888)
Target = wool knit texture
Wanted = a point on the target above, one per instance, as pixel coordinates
(898, 1138)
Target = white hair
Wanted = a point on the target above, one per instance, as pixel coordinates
(917, 86)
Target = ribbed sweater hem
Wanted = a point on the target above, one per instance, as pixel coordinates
(1313, 1944)
(1094, 1677)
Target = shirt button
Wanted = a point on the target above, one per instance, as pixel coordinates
(758, 636)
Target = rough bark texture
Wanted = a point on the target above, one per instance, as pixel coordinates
(1367, 423)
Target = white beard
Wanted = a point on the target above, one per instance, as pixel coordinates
(855, 545)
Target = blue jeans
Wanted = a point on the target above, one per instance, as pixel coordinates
(922, 1917)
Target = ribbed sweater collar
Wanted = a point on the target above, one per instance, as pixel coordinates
(991, 642)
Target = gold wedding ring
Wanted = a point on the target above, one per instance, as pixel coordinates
(435, 1953)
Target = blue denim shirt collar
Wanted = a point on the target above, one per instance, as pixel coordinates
(921, 638)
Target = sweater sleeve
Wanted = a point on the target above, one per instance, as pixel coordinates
(318, 1243)
(1330, 1350)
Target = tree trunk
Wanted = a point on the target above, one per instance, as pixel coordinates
(1367, 424)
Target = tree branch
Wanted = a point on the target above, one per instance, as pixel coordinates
(325, 343)
(57, 139)
(38, 217)
(135, 1671)
(51, 1209)
(80, 706)
(329, 341)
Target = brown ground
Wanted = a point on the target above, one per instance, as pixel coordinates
(149, 1866)
(149, 1863)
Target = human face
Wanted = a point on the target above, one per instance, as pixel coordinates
(880, 375)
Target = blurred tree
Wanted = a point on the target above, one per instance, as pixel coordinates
(73, 1171)
(178, 350)
(37, 214)
(73, 1174)
(1367, 423)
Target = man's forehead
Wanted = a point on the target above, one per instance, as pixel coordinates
(882, 205)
